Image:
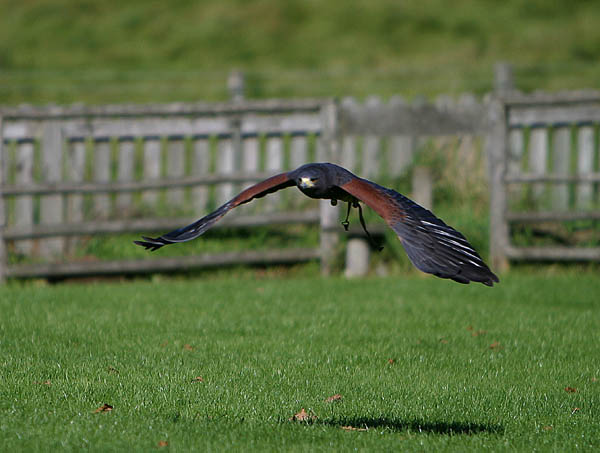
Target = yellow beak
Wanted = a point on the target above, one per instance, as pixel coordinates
(306, 182)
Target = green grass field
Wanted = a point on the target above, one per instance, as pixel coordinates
(509, 368)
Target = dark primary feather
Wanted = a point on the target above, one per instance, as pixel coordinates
(192, 231)
(432, 246)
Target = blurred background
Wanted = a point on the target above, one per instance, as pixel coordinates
(66, 51)
(368, 54)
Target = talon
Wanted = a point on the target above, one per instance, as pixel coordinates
(345, 223)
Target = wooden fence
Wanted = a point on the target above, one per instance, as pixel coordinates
(78, 171)
(68, 173)
(544, 152)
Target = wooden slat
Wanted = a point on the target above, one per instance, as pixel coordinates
(371, 152)
(201, 168)
(401, 148)
(158, 224)
(250, 157)
(298, 151)
(273, 165)
(547, 216)
(62, 188)
(179, 108)
(163, 264)
(51, 206)
(76, 174)
(101, 175)
(152, 165)
(225, 167)
(554, 253)
(421, 119)
(3, 163)
(585, 166)
(349, 158)
(175, 168)
(538, 158)
(549, 115)
(24, 203)
(126, 162)
(561, 150)
(549, 177)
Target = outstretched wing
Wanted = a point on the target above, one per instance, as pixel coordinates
(431, 245)
(192, 231)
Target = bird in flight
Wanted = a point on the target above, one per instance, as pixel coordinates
(432, 246)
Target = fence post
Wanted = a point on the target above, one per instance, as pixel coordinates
(496, 152)
(503, 78)
(3, 261)
(422, 187)
(51, 206)
(236, 83)
(329, 214)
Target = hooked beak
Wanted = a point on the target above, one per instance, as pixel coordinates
(306, 183)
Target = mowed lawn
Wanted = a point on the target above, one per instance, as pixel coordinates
(421, 364)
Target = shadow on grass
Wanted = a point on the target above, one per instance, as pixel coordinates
(435, 427)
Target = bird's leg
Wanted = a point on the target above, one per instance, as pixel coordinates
(345, 222)
(364, 225)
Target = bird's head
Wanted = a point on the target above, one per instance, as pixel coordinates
(307, 182)
(310, 177)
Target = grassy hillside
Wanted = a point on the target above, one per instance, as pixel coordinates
(114, 51)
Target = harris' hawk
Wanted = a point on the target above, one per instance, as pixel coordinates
(432, 246)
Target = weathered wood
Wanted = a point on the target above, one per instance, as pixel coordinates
(152, 165)
(24, 203)
(422, 187)
(3, 256)
(357, 258)
(550, 115)
(163, 264)
(298, 151)
(516, 149)
(63, 188)
(250, 157)
(76, 157)
(547, 216)
(401, 148)
(554, 253)
(51, 206)
(371, 152)
(157, 224)
(551, 99)
(349, 153)
(201, 167)
(538, 158)
(126, 162)
(561, 150)
(550, 177)
(585, 166)
(417, 119)
(225, 167)
(274, 165)
(175, 169)
(503, 78)
(267, 106)
(102, 175)
(496, 146)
